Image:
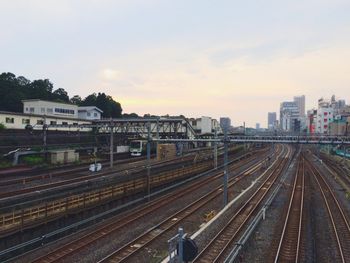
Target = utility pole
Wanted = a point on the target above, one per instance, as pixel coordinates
(225, 167)
(215, 150)
(111, 146)
(157, 135)
(148, 161)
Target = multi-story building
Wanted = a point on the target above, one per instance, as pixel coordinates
(325, 115)
(205, 125)
(225, 123)
(300, 102)
(271, 120)
(289, 116)
(59, 109)
(311, 121)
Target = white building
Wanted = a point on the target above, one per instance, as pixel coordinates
(205, 125)
(14, 120)
(59, 109)
(325, 115)
(89, 113)
(50, 108)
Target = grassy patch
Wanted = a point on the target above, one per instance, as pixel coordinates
(33, 160)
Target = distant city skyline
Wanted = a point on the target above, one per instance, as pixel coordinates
(238, 59)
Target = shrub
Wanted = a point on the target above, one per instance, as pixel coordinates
(2, 127)
(33, 160)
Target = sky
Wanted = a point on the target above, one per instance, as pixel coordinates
(231, 58)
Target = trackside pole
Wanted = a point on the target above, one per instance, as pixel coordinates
(111, 148)
(225, 167)
(215, 152)
(149, 161)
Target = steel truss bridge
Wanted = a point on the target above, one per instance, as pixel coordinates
(306, 139)
(157, 127)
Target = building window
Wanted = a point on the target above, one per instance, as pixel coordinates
(40, 122)
(64, 123)
(25, 121)
(53, 122)
(42, 110)
(75, 123)
(88, 114)
(27, 109)
(95, 114)
(31, 110)
(10, 120)
(64, 111)
(49, 110)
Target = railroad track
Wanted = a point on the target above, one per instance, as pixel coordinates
(83, 179)
(337, 218)
(61, 171)
(77, 245)
(135, 246)
(289, 244)
(218, 246)
(127, 169)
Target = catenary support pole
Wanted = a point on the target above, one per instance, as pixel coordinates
(157, 135)
(111, 157)
(216, 151)
(148, 161)
(225, 167)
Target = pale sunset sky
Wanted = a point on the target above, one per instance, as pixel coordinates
(193, 57)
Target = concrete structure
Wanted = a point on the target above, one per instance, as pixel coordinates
(14, 120)
(63, 156)
(225, 123)
(300, 102)
(271, 120)
(339, 127)
(257, 126)
(289, 116)
(205, 125)
(89, 113)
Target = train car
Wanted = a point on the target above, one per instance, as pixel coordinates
(137, 147)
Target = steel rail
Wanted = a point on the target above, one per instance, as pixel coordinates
(128, 250)
(336, 214)
(288, 248)
(104, 230)
(214, 251)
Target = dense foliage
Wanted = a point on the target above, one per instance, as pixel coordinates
(15, 89)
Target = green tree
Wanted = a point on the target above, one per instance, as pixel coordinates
(60, 95)
(76, 99)
(110, 108)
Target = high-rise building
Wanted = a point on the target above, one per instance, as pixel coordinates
(300, 102)
(289, 116)
(271, 120)
(225, 123)
(257, 126)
